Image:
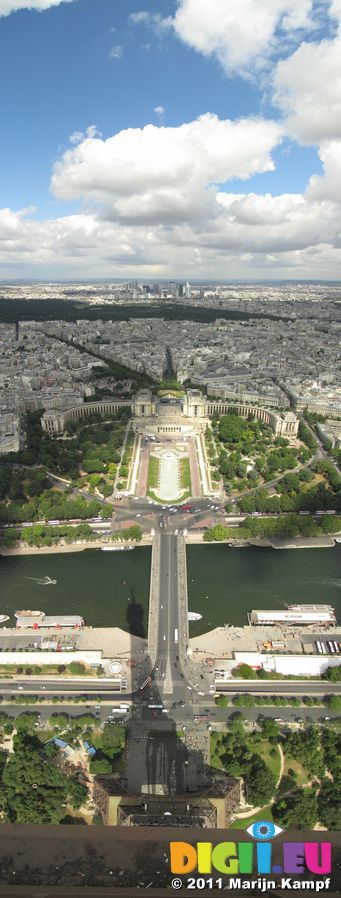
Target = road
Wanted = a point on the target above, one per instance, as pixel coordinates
(108, 691)
(279, 687)
(167, 671)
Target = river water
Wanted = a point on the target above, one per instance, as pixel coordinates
(111, 589)
(225, 583)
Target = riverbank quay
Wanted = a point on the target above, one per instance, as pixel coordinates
(192, 538)
(24, 549)
(223, 642)
(303, 542)
(113, 642)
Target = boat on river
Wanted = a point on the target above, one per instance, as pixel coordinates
(117, 548)
(193, 615)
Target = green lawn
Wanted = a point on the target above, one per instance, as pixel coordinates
(185, 474)
(46, 734)
(264, 750)
(153, 473)
(302, 774)
(244, 822)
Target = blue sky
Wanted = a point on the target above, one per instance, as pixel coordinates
(111, 64)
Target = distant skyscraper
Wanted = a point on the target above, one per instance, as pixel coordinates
(187, 290)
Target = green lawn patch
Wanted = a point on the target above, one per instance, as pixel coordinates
(244, 822)
(264, 749)
(185, 474)
(45, 735)
(302, 774)
(153, 473)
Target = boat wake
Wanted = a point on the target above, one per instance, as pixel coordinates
(43, 581)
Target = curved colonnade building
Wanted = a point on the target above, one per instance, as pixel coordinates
(187, 415)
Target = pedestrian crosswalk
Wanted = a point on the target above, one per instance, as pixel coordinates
(168, 683)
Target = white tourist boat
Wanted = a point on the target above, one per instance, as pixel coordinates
(117, 548)
(193, 615)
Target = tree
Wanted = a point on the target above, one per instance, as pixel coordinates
(260, 782)
(94, 479)
(333, 674)
(298, 810)
(269, 727)
(100, 765)
(329, 805)
(113, 738)
(236, 723)
(306, 748)
(134, 532)
(6, 721)
(244, 671)
(77, 793)
(334, 702)
(59, 721)
(221, 701)
(244, 700)
(216, 534)
(76, 667)
(35, 790)
(26, 723)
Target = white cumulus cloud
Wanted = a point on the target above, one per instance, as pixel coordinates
(240, 35)
(291, 235)
(156, 173)
(328, 185)
(9, 6)
(307, 89)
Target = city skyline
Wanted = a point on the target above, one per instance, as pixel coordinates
(192, 141)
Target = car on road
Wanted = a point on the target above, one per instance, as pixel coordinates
(20, 687)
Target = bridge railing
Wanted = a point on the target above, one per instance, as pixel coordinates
(182, 599)
(154, 594)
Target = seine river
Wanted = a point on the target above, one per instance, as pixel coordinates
(112, 588)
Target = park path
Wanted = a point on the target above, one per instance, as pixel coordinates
(282, 764)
